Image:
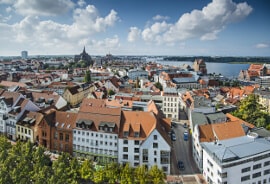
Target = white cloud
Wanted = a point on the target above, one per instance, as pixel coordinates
(43, 7)
(7, 1)
(50, 36)
(5, 18)
(262, 45)
(8, 9)
(204, 24)
(105, 46)
(81, 3)
(134, 34)
(160, 18)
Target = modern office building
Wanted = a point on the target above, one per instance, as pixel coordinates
(244, 159)
(24, 54)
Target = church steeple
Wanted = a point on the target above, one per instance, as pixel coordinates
(84, 49)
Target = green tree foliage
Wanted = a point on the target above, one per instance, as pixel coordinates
(111, 92)
(156, 175)
(25, 163)
(87, 76)
(251, 110)
(159, 86)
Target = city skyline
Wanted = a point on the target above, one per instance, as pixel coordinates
(184, 28)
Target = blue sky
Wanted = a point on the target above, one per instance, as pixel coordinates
(139, 27)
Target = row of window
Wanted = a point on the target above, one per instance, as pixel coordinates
(24, 130)
(257, 166)
(61, 136)
(83, 133)
(95, 142)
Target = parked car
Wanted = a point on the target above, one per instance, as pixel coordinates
(173, 137)
(185, 135)
(181, 165)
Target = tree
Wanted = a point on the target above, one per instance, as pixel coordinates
(159, 86)
(87, 77)
(111, 92)
(157, 176)
(126, 175)
(141, 175)
(251, 110)
(87, 170)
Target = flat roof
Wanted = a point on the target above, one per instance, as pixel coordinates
(237, 148)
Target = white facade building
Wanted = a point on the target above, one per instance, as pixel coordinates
(171, 103)
(244, 159)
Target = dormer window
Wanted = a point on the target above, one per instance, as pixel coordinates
(136, 134)
(85, 124)
(125, 133)
(107, 126)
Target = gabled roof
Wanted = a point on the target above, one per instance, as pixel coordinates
(227, 130)
(131, 120)
(65, 120)
(73, 90)
(206, 133)
(234, 119)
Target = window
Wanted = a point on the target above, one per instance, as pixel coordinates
(155, 152)
(125, 141)
(155, 137)
(256, 175)
(155, 145)
(245, 178)
(145, 155)
(136, 142)
(257, 166)
(55, 135)
(245, 169)
(125, 156)
(125, 133)
(136, 157)
(155, 160)
(267, 163)
(266, 172)
(136, 134)
(61, 136)
(67, 138)
(125, 149)
(136, 150)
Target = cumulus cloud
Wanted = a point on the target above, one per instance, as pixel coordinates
(204, 24)
(262, 45)
(44, 8)
(81, 3)
(134, 34)
(48, 35)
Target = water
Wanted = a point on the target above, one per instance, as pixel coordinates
(226, 69)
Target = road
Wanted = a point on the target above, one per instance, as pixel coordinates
(182, 150)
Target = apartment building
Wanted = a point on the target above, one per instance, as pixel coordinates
(27, 128)
(171, 103)
(95, 135)
(239, 160)
(142, 141)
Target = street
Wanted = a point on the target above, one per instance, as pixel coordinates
(181, 150)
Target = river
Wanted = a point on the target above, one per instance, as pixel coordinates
(226, 69)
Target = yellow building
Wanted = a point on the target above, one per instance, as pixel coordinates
(75, 95)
